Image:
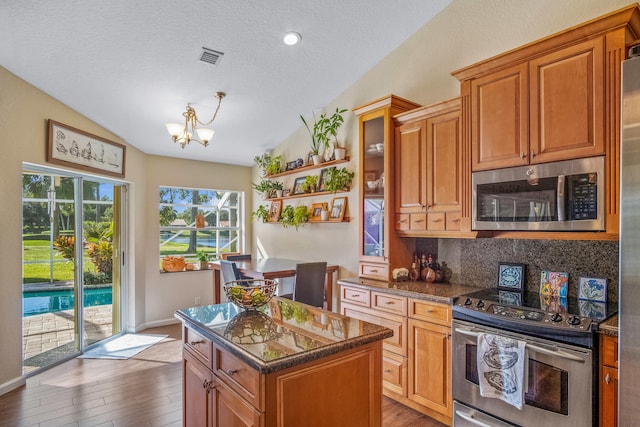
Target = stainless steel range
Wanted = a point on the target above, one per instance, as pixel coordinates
(561, 370)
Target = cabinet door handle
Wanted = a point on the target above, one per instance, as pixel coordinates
(355, 295)
(533, 154)
(418, 220)
(196, 342)
(205, 383)
(231, 372)
(435, 220)
(607, 379)
(455, 220)
(374, 270)
(386, 371)
(402, 221)
(210, 387)
(390, 302)
(523, 156)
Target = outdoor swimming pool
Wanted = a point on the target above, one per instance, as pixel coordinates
(41, 302)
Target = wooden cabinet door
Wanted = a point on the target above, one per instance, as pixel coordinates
(429, 366)
(232, 410)
(567, 103)
(410, 168)
(197, 401)
(444, 165)
(609, 397)
(500, 119)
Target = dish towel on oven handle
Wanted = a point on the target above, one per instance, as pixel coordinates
(501, 368)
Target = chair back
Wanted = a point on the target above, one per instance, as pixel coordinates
(229, 271)
(309, 283)
(240, 257)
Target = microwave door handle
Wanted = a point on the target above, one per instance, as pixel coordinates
(561, 198)
(556, 353)
(469, 418)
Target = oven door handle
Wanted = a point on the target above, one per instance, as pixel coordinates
(469, 418)
(551, 352)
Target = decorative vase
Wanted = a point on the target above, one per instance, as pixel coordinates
(324, 215)
(278, 193)
(340, 153)
(316, 159)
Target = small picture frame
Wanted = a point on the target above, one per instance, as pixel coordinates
(316, 212)
(592, 289)
(554, 283)
(297, 185)
(310, 158)
(291, 165)
(275, 210)
(370, 176)
(323, 178)
(511, 276)
(338, 208)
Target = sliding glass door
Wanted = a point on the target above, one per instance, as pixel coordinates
(71, 292)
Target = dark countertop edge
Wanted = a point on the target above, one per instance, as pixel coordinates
(287, 361)
(426, 296)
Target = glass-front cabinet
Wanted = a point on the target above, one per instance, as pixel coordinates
(380, 250)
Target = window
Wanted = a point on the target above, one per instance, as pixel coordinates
(196, 220)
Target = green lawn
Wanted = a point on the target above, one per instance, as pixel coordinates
(38, 250)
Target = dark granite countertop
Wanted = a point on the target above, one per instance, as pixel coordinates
(609, 326)
(281, 334)
(444, 293)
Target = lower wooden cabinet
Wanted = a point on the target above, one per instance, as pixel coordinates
(608, 381)
(416, 361)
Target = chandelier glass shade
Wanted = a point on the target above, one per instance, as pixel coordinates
(184, 133)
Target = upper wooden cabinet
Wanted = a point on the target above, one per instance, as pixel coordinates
(380, 248)
(430, 178)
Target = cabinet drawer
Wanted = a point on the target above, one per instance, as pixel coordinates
(198, 345)
(394, 373)
(398, 342)
(436, 221)
(403, 221)
(418, 221)
(609, 351)
(389, 303)
(374, 271)
(453, 221)
(239, 376)
(356, 296)
(430, 311)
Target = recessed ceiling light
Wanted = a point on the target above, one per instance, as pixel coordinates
(291, 38)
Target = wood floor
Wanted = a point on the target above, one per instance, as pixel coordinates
(142, 391)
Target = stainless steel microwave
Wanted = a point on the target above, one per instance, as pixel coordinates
(559, 196)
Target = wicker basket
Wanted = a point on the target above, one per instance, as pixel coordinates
(173, 263)
(250, 293)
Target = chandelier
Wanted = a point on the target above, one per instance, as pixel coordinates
(189, 131)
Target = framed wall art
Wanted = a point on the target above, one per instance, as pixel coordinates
(592, 289)
(274, 210)
(323, 178)
(297, 185)
(554, 283)
(511, 276)
(316, 212)
(338, 208)
(74, 148)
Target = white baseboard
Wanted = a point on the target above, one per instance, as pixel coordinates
(12, 385)
(156, 323)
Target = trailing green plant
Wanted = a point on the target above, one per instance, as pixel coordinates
(337, 179)
(310, 183)
(267, 187)
(269, 164)
(291, 217)
(262, 213)
(323, 129)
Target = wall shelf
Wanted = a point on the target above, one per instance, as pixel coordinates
(307, 168)
(296, 196)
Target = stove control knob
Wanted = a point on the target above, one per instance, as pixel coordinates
(480, 304)
(467, 301)
(556, 318)
(574, 320)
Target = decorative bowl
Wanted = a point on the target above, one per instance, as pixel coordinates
(372, 184)
(250, 293)
(251, 327)
(173, 263)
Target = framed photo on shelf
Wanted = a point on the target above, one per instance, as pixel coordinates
(370, 176)
(338, 208)
(274, 210)
(297, 185)
(323, 178)
(554, 283)
(291, 165)
(310, 158)
(592, 289)
(316, 212)
(71, 147)
(511, 276)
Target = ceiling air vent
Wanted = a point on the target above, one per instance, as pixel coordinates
(211, 56)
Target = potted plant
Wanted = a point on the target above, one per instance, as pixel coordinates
(267, 187)
(269, 164)
(315, 143)
(338, 179)
(278, 188)
(294, 217)
(310, 183)
(323, 129)
(324, 214)
(203, 258)
(262, 213)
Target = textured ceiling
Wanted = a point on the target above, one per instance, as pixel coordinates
(132, 66)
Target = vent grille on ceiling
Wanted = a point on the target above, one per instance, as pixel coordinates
(211, 56)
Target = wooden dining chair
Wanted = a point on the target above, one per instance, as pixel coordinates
(308, 287)
(239, 257)
(230, 272)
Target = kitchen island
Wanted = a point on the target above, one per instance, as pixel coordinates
(288, 364)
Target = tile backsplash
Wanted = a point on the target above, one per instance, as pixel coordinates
(475, 261)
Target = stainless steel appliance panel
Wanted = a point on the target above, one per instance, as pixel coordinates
(629, 294)
(464, 416)
(565, 400)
